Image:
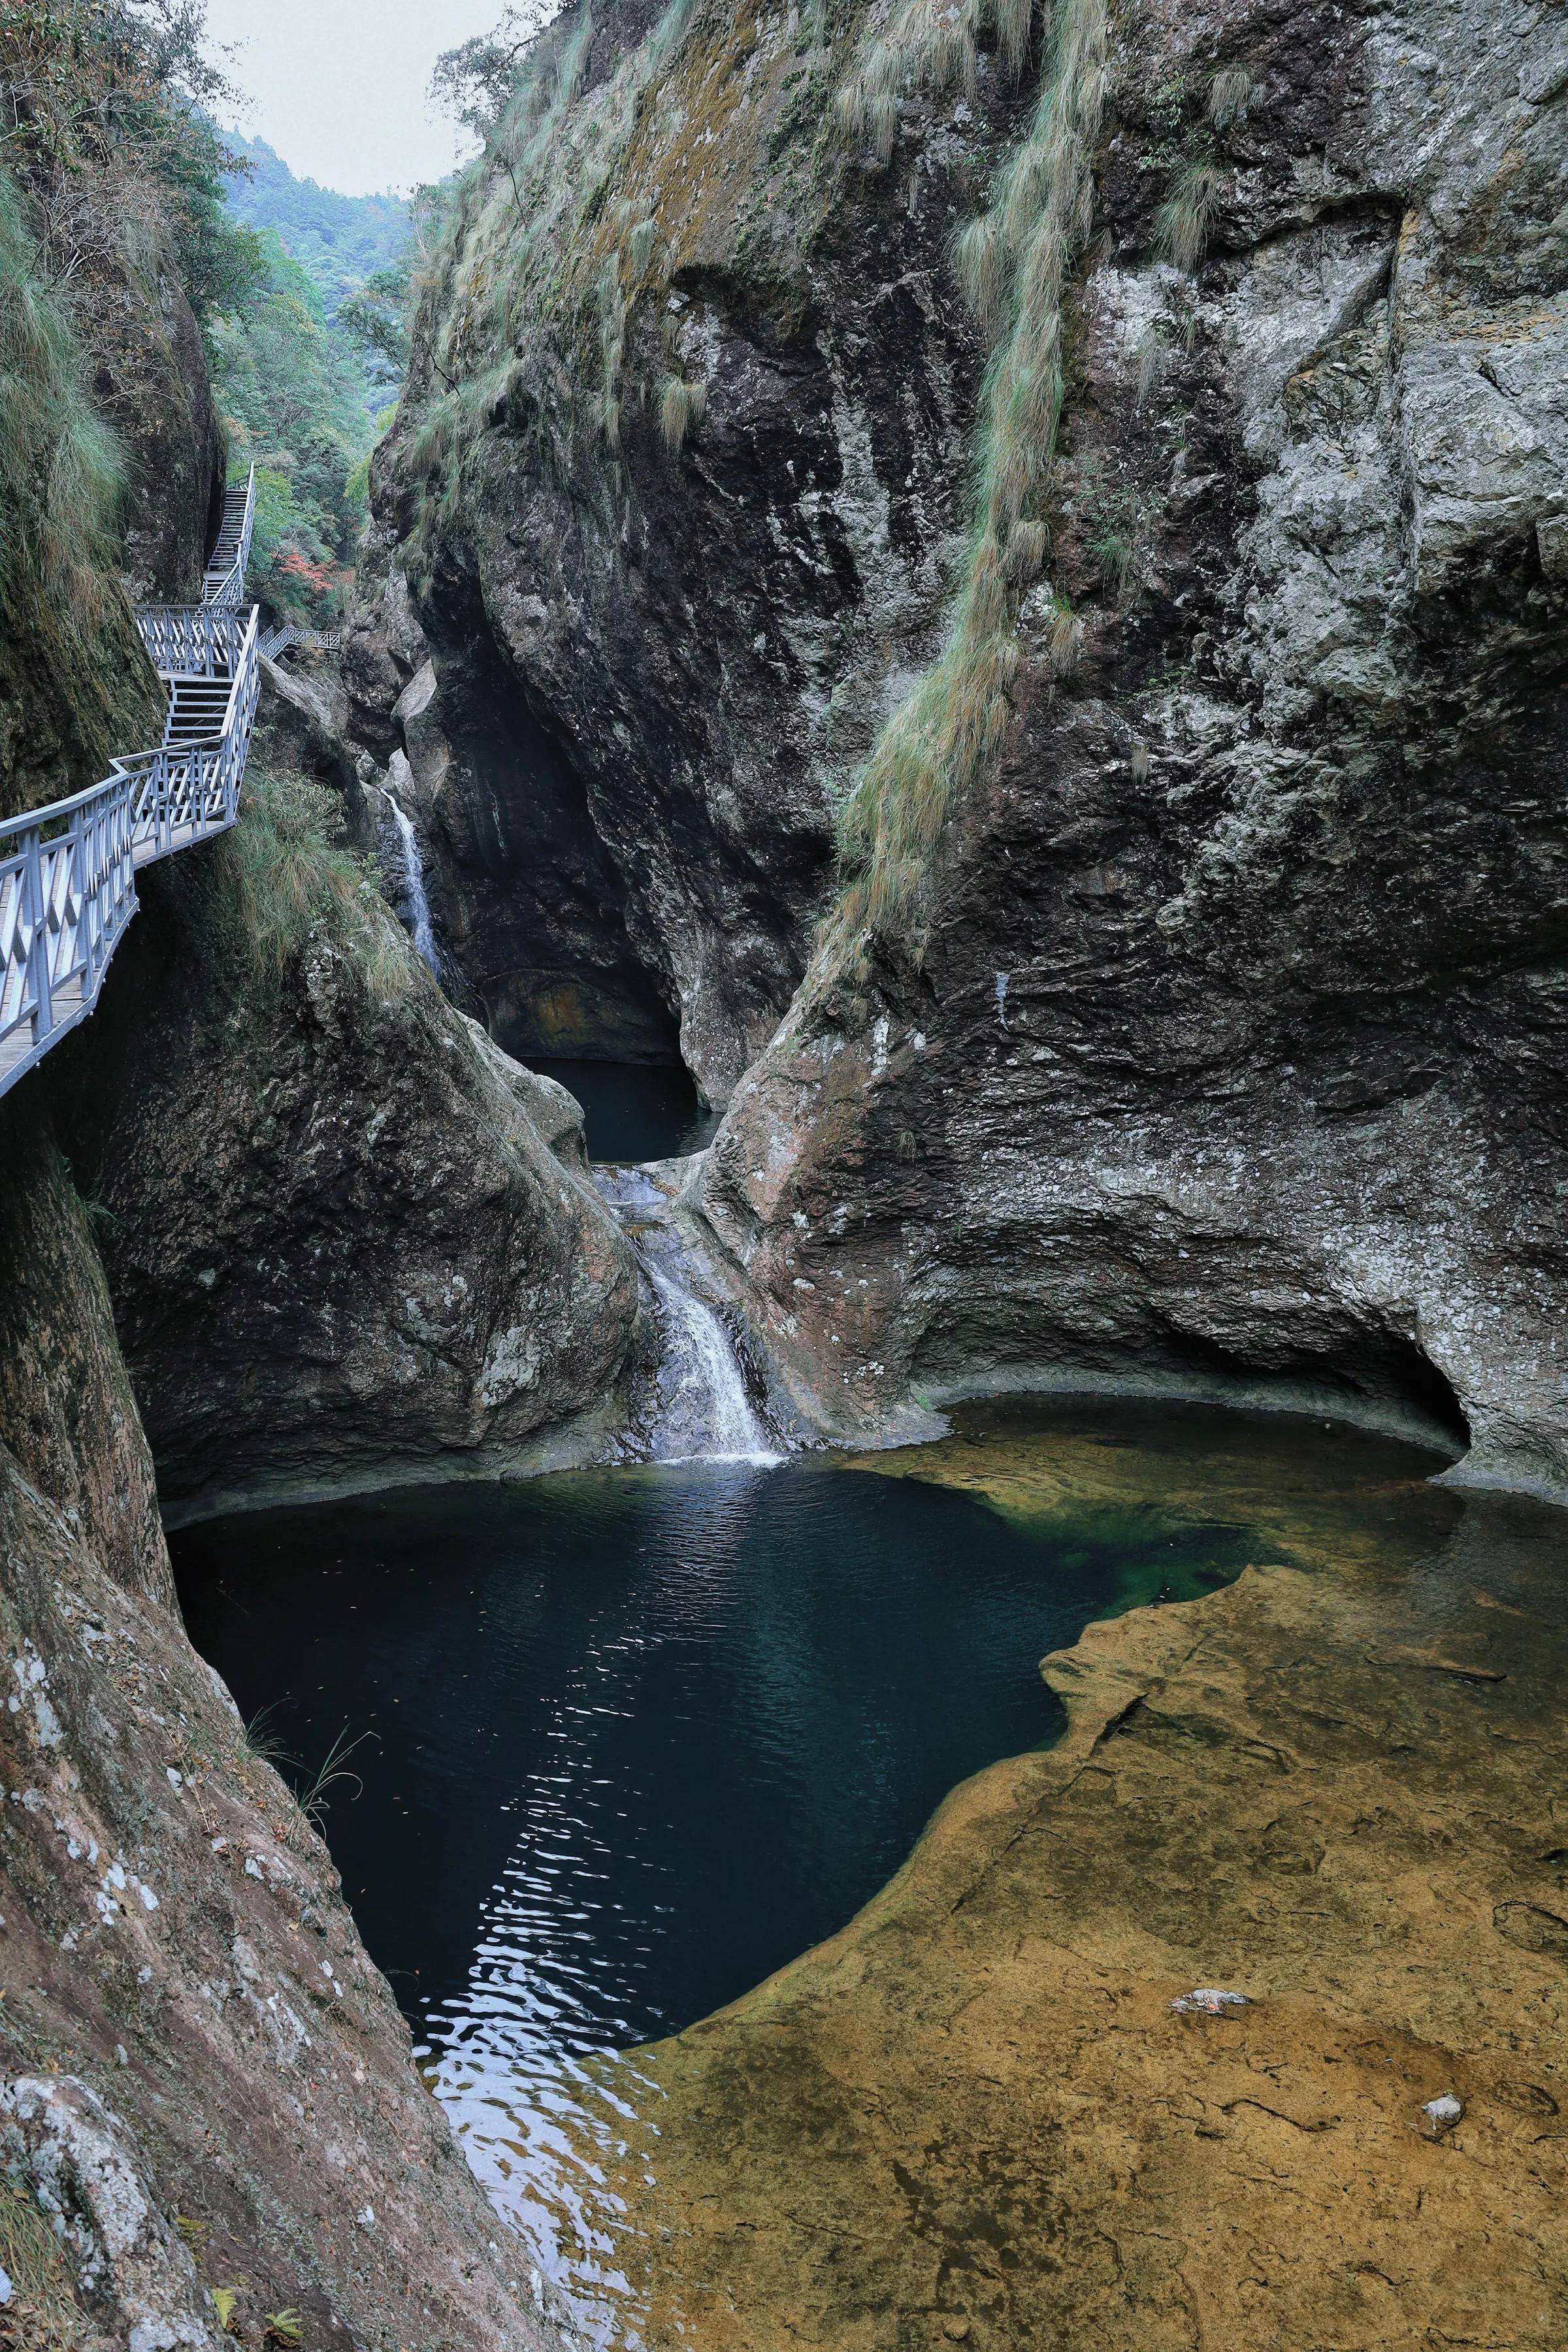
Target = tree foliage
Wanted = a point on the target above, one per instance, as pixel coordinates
(376, 320)
(339, 241)
(474, 82)
(292, 397)
(107, 123)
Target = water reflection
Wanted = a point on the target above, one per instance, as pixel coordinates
(644, 1736)
(633, 1111)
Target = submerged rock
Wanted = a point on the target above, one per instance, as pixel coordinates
(973, 2099)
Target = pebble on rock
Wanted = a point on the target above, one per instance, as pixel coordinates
(1443, 2114)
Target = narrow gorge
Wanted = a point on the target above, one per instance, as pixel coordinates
(782, 1450)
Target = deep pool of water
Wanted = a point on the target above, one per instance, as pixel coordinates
(633, 1111)
(629, 1740)
(632, 1740)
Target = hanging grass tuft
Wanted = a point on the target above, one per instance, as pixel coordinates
(680, 406)
(931, 751)
(62, 476)
(1181, 224)
(1230, 95)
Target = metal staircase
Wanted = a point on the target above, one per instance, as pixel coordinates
(67, 873)
(278, 641)
(223, 582)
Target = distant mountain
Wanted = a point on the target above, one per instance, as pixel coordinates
(338, 241)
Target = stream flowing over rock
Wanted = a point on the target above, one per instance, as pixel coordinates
(1222, 1049)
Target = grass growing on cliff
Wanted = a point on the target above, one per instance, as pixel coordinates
(280, 880)
(558, 247)
(1014, 260)
(928, 48)
(61, 473)
(43, 2308)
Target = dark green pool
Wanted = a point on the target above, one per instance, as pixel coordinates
(638, 1737)
(632, 1740)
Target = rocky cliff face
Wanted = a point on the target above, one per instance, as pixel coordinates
(348, 1241)
(1195, 1016)
(1232, 1053)
(206, 2084)
(695, 549)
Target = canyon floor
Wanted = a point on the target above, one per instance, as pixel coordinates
(1336, 1787)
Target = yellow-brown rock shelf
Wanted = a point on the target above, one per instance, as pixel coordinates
(1337, 1786)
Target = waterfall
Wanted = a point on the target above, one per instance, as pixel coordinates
(700, 1409)
(414, 882)
(708, 1415)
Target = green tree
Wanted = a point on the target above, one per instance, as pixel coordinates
(376, 320)
(105, 114)
(292, 396)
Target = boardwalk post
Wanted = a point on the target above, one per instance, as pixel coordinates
(38, 943)
(79, 897)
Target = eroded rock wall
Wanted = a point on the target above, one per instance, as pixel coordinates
(1231, 1057)
(654, 668)
(1221, 1050)
(342, 1248)
(206, 2083)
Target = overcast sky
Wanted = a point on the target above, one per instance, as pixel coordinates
(338, 86)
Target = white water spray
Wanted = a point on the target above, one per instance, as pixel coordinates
(703, 1411)
(414, 881)
(707, 1413)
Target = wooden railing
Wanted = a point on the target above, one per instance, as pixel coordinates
(67, 872)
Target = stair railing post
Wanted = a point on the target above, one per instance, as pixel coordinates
(38, 942)
(76, 881)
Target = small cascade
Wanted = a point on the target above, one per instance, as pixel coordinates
(413, 882)
(707, 1416)
(701, 1411)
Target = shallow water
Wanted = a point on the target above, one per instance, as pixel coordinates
(633, 1739)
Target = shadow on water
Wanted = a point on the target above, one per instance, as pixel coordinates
(633, 1111)
(643, 1736)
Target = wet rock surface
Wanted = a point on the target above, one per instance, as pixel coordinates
(150, 377)
(974, 2116)
(348, 1240)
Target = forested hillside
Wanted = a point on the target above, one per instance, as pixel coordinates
(304, 364)
(339, 241)
(291, 387)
